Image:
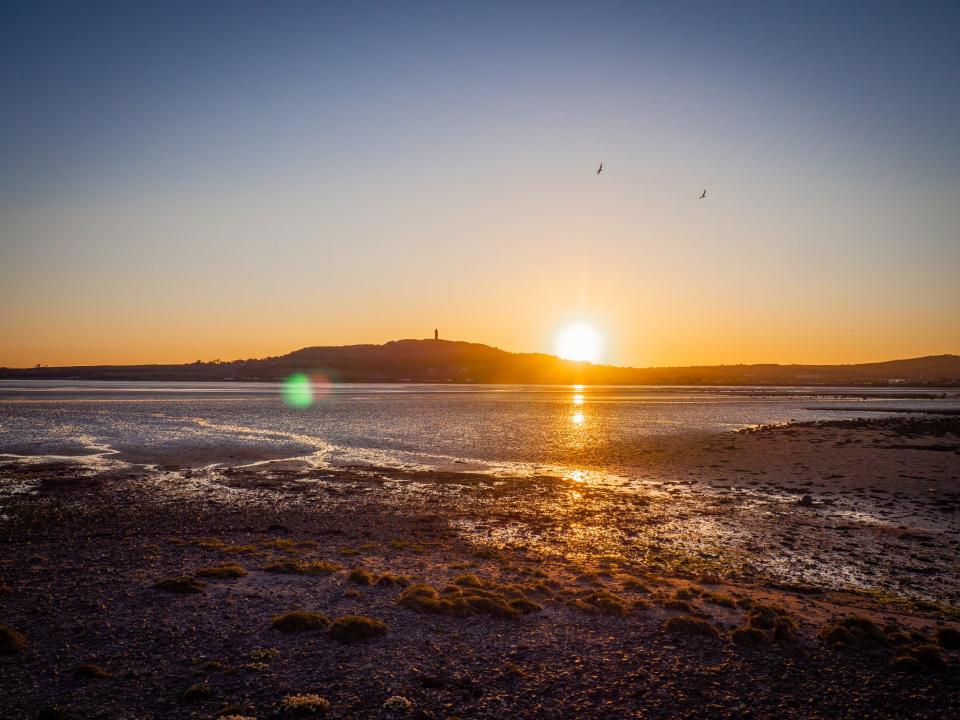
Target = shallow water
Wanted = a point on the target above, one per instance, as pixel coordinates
(505, 429)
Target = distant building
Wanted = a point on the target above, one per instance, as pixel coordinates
(436, 334)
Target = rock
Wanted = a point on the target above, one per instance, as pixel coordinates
(805, 501)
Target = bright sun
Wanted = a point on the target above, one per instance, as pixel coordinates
(579, 342)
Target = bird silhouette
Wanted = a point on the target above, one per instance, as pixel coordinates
(704, 194)
(600, 169)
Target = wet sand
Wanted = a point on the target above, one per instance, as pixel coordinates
(708, 586)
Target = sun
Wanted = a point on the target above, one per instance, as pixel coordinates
(579, 342)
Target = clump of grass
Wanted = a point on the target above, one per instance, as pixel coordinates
(631, 582)
(91, 672)
(492, 605)
(854, 631)
(487, 553)
(765, 624)
(764, 617)
(396, 706)
(511, 668)
(286, 566)
(12, 642)
(236, 717)
(590, 578)
(916, 658)
(425, 598)
(392, 580)
(223, 571)
(719, 599)
(208, 543)
(690, 626)
(599, 601)
(348, 551)
(280, 543)
(351, 628)
(321, 567)
(263, 654)
(298, 621)
(504, 602)
(524, 605)
(469, 580)
(949, 638)
(686, 593)
(199, 691)
(679, 605)
(308, 704)
(749, 637)
(182, 584)
(405, 545)
(361, 576)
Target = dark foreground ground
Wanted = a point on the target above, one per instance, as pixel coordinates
(537, 598)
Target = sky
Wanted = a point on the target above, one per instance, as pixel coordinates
(203, 180)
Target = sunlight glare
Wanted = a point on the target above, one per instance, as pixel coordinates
(579, 342)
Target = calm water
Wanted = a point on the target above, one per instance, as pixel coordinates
(504, 429)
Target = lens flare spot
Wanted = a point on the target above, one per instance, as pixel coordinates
(297, 392)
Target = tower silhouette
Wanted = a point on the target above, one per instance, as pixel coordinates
(436, 334)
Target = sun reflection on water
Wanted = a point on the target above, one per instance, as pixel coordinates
(577, 418)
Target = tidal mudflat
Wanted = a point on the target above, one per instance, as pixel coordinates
(796, 570)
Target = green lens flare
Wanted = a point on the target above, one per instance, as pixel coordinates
(297, 391)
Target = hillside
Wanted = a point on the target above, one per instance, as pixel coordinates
(454, 361)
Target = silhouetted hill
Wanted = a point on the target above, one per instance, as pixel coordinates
(453, 361)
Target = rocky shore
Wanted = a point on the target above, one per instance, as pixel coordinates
(804, 571)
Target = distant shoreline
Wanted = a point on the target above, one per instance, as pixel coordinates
(455, 362)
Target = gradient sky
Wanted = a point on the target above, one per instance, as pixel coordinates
(232, 180)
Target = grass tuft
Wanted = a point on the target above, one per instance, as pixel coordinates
(223, 571)
(854, 631)
(200, 691)
(92, 672)
(917, 658)
(949, 638)
(351, 628)
(504, 602)
(12, 642)
(599, 601)
(298, 621)
(392, 580)
(181, 584)
(304, 705)
(690, 626)
(361, 576)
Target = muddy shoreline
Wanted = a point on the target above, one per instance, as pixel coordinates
(552, 598)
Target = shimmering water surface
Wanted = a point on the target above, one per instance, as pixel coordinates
(506, 429)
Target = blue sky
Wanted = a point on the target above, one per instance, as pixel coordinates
(213, 179)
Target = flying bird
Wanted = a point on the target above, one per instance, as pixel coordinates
(600, 169)
(704, 194)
